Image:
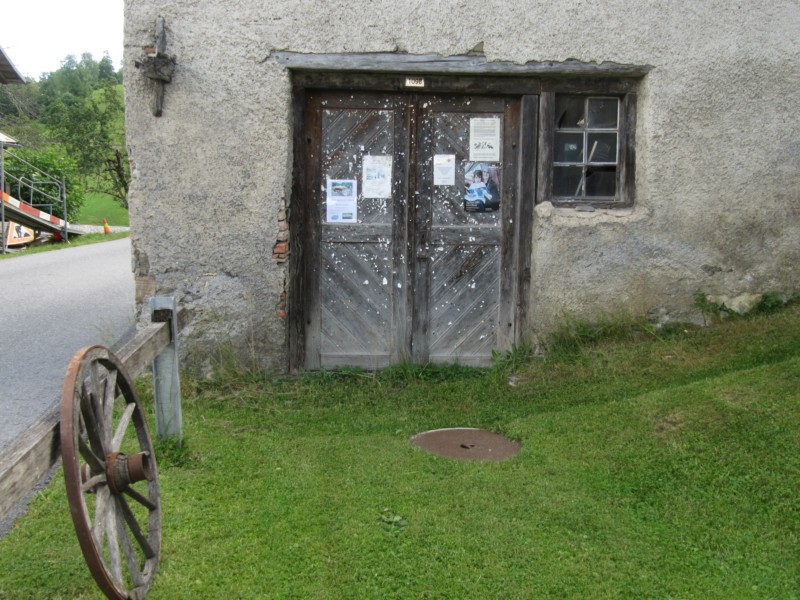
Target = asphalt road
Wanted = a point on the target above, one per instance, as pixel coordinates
(51, 305)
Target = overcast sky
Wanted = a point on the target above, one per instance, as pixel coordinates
(38, 34)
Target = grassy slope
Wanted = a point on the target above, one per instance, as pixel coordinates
(102, 206)
(657, 469)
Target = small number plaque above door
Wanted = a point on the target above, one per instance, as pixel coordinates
(417, 82)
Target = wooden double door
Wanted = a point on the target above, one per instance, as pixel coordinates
(408, 239)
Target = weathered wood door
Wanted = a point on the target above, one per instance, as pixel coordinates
(412, 235)
(462, 254)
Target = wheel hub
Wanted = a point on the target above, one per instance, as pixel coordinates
(123, 470)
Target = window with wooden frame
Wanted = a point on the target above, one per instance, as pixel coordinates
(587, 148)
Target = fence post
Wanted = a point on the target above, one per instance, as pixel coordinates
(166, 374)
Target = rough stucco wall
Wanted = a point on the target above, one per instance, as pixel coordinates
(718, 148)
(717, 178)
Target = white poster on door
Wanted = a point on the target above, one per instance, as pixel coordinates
(444, 169)
(484, 139)
(342, 202)
(376, 177)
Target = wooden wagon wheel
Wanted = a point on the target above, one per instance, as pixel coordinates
(110, 474)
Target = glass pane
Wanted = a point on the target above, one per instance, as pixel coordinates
(567, 181)
(601, 181)
(602, 147)
(603, 113)
(569, 112)
(569, 147)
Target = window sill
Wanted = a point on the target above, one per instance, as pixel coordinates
(583, 212)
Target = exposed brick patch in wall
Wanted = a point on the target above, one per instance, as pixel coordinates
(280, 309)
(280, 252)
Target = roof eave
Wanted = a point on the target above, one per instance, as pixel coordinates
(8, 72)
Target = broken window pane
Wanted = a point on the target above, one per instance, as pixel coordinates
(602, 147)
(569, 147)
(567, 181)
(601, 181)
(603, 113)
(569, 112)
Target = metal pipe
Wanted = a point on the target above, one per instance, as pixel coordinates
(34, 188)
(3, 246)
(65, 232)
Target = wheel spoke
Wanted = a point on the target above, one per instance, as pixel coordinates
(133, 525)
(101, 506)
(122, 427)
(140, 499)
(93, 482)
(90, 420)
(90, 457)
(97, 396)
(108, 404)
(115, 564)
(127, 547)
(130, 555)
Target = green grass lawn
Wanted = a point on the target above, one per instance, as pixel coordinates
(97, 207)
(657, 468)
(75, 240)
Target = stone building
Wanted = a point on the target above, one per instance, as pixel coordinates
(366, 182)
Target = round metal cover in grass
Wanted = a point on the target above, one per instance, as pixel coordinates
(467, 443)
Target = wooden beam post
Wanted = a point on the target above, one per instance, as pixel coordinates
(166, 372)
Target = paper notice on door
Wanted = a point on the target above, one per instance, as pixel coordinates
(376, 177)
(484, 139)
(444, 169)
(342, 202)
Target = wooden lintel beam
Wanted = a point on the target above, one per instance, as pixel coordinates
(469, 64)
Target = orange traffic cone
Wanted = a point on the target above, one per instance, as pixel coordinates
(106, 228)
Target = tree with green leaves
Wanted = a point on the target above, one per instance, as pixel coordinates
(19, 101)
(82, 106)
(19, 114)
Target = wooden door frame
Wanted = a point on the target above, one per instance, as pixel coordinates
(304, 227)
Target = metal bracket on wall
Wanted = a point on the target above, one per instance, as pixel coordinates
(157, 65)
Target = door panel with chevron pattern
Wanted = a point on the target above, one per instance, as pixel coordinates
(458, 279)
(356, 261)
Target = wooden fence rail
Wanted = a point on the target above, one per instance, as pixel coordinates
(31, 456)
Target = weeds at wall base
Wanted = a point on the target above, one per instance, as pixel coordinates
(172, 453)
(715, 309)
(574, 335)
(228, 370)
